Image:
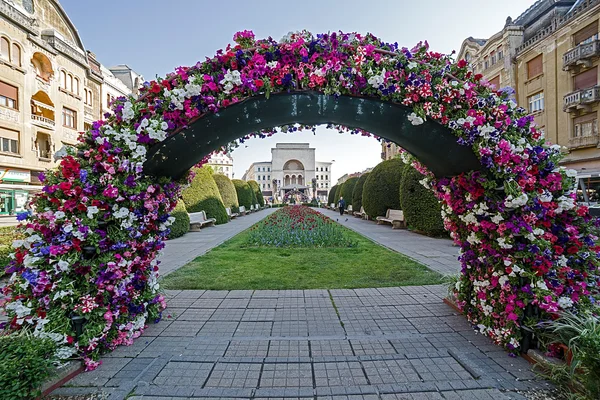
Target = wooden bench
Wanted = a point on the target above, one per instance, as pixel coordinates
(230, 214)
(394, 217)
(257, 207)
(199, 220)
(349, 210)
(361, 214)
(332, 206)
(242, 210)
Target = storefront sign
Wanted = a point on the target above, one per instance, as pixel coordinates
(14, 175)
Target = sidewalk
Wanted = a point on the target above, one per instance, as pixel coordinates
(437, 254)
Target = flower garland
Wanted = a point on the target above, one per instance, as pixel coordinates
(91, 251)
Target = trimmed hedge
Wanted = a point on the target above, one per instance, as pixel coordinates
(381, 189)
(347, 189)
(244, 193)
(227, 191)
(181, 225)
(203, 195)
(357, 193)
(255, 186)
(7, 235)
(421, 208)
(331, 196)
(338, 193)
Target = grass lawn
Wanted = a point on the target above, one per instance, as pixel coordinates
(233, 265)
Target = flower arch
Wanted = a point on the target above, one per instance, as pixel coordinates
(91, 250)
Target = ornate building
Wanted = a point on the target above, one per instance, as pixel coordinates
(221, 163)
(292, 167)
(51, 88)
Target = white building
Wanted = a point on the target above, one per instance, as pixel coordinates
(221, 163)
(292, 167)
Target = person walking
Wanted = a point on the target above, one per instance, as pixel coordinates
(341, 205)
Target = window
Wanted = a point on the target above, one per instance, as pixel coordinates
(327, 177)
(535, 67)
(69, 83)
(321, 185)
(500, 53)
(107, 100)
(76, 86)
(269, 177)
(69, 118)
(264, 177)
(493, 57)
(486, 63)
(268, 169)
(28, 5)
(63, 79)
(586, 125)
(325, 168)
(9, 141)
(496, 82)
(587, 34)
(536, 102)
(269, 185)
(326, 184)
(88, 97)
(264, 186)
(9, 96)
(468, 57)
(4, 48)
(321, 176)
(15, 57)
(586, 79)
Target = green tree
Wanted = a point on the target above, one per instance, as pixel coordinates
(331, 196)
(203, 195)
(255, 186)
(338, 193)
(381, 188)
(357, 193)
(227, 191)
(244, 193)
(421, 208)
(181, 225)
(347, 189)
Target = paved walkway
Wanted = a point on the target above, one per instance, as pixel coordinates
(438, 254)
(178, 252)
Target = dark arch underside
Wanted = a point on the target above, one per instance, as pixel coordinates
(433, 144)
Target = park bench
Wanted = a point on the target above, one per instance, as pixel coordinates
(198, 220)
(257, 207)
(361, 214)
(252, 208)
(332, 206)
(394, 217)
(230, 214)
(242, 210)
(348, 210)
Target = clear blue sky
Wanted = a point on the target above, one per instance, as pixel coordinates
(156, 36)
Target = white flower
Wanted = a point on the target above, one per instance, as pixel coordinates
(415, 119)
(231, 79)
(17, 243)
(545, 197)
(63, 265)
(128, 113)
(21, 310)
(571, 173)
(503, 280)
(377, 80)
(68, 228)
(272, 64)
(91, 210)
(122, 213)
(497, 219)
(64, 352)
(565, 302)
(502, 243)
(59, 214)
(565, 203)
(513, 202)
(541, 285)
(412, 65)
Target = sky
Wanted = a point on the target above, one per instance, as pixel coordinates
(155, 36)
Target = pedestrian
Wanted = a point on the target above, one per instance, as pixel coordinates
(341, 205)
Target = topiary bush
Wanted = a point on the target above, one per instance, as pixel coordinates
(347, 190)
(227, 191)
(203, 195)
(331, 195)
(25, 363)
(338, 193)
(357, 193)
(422, 210)
(181, 225)
(381, 189)
(255, 186)
(244, 193)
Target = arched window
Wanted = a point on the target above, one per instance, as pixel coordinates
(70, 83)
(5, 48)
(16, 55)
(76, 86)
(43, 66)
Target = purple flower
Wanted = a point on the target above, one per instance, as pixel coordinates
(22, 216)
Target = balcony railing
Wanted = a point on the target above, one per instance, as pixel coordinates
(581, 54)
(582, 98)
(42, 121)
(583, 141)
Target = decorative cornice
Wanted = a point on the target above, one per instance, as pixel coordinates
(42, 44)
(66, 49)
(29, 24)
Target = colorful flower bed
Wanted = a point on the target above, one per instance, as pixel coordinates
(298, 226)
(91, 250)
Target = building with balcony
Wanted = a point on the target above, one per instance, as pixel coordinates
(221, 163)
(550, 57)
(292, 167)
(50, 90)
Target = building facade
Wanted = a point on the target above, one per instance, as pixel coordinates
(550, 56)
(292, 168)
(221, 163)
(50, 90)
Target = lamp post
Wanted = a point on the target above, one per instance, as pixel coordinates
(314, 188)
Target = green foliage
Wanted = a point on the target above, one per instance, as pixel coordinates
(338, 193)
(25, 363)
(255, 186)
(421, 208)
(244, 193)
(331, 196)
(203, 195)
(381, 188)
(347, 190)
(7, 235)
(227, 191)
(357, 193)
(181, 225)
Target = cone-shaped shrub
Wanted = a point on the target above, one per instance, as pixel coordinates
(244, 193)
(338, 193)
(227, 191)
(357, 193)
(255, 186)
(181, 225)
(381, 189)
(331, 196)
(348, 189)
(203, 195)
(421, 208)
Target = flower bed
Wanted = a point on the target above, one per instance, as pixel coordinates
(298, 226)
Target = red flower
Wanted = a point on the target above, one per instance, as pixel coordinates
(462, 63)
(259, 83)
(64, 186)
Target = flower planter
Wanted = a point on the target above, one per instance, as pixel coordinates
(567, 353)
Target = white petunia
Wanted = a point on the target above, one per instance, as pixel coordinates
(565, 302)
(91, 210)
(415, 119)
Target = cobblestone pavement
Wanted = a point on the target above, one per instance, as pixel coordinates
(387, 343)
(438, 254)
